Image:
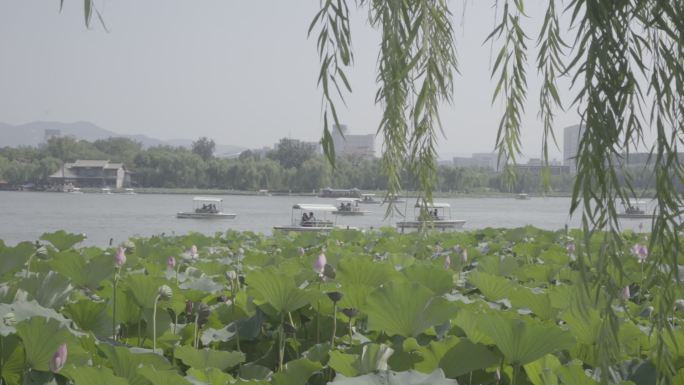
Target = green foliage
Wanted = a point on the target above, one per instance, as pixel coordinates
(206, 358)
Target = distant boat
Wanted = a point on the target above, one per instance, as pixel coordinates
(393, 199)
(635, 209)
(106, 190)
(206, 208)
(438, 217)
(522, 197)
(369, 199)
(349, 207)
(340, 193)
(304, 220)
(129, 191)
(74, 190)
(264, 193)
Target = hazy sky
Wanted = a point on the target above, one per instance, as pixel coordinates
(240, 71)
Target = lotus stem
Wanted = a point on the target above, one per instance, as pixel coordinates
(237, 328)
(154, 324)
(350, 332)
(281, 344)
(116, 280)
(196, 332)
(334, 331)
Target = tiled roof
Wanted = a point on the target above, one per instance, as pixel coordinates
(91, 163)
(114, 166)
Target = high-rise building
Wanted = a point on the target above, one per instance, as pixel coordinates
(571, 140)
(352, 145)
(484, 160)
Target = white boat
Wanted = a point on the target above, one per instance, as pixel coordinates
(206, 208)
(438, 217)
(369, 199)
(350, 207)
(304, 218)
(129, 191)
(106, 190)
(75, 190)
(522, 197)
(635, 209)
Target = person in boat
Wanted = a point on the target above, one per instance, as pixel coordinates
(312, 219)
(305, 219)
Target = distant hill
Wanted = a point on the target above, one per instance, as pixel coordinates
(33, 134)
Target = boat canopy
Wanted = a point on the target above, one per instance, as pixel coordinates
(436, 205)
(314, 207)
(206, 199)
(347, 199)
(637, 202)
(368, 195)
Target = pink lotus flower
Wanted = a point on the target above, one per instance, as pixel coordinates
(120, 257)
(570, 248)
(447, 261)
(319, 265)
(171, 263)
(193, 251)
(58, 359)
(464, 256)
(626, 295)
(641, 252)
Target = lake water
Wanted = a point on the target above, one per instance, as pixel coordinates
(24, 216)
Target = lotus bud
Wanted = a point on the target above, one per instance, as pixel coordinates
(447, 261)
(350, 312)
(647, 312)
(464, 256)
(626, 294)
(9, 319)
(335, 296)
(193, 252)
(241, 251)
(231, 275)
(278, 251)
(222, 298)
(319, 265)
(438, 249)
(457, 249)
(120, 257)
(301, 251)
(171, 263)
(165, 292)
(188, 307)
(58, 359)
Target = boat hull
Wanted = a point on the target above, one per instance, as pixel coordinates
(191, 215)
(635, 216)
(351, 213)
(442, 225)
(303, 229)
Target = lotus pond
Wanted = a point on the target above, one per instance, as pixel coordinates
(494, 306)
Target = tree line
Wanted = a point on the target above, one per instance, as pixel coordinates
(292, 166)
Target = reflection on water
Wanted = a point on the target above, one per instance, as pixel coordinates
(26, 215)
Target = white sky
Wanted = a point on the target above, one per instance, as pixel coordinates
(239, 71)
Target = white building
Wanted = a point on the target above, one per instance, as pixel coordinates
(352, 145)
(571, 139)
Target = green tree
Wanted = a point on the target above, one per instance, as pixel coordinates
(292, 153)
(204, 147)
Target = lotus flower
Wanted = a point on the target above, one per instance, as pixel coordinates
(319, 265)
(231, 275)
(58, 359)
(447, 261)
(641, 252)
(171, 263)
(625, 293)
(120, 257)
(193, 251)
(570, 248)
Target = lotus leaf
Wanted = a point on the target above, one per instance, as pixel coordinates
(204, 283)
(356, 271)
(522, 341)
(13, 363)
(435, 278)
(206, 358)
(573, 374)
(209, 376)
(85, 375)
(41, 337)
(255, 372)
(466, 357)
(90, 316)
(296, 372)
(404, 378)
(126, 363)
(143, 289)
(406, 309)
(542, 371)
(538, 303)
(83, 273)
(491, 286)
(13, 258)
(429, 355)
(278, 290)
(373, 357)
(62, 240)
(162, 377)
(26, 310)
